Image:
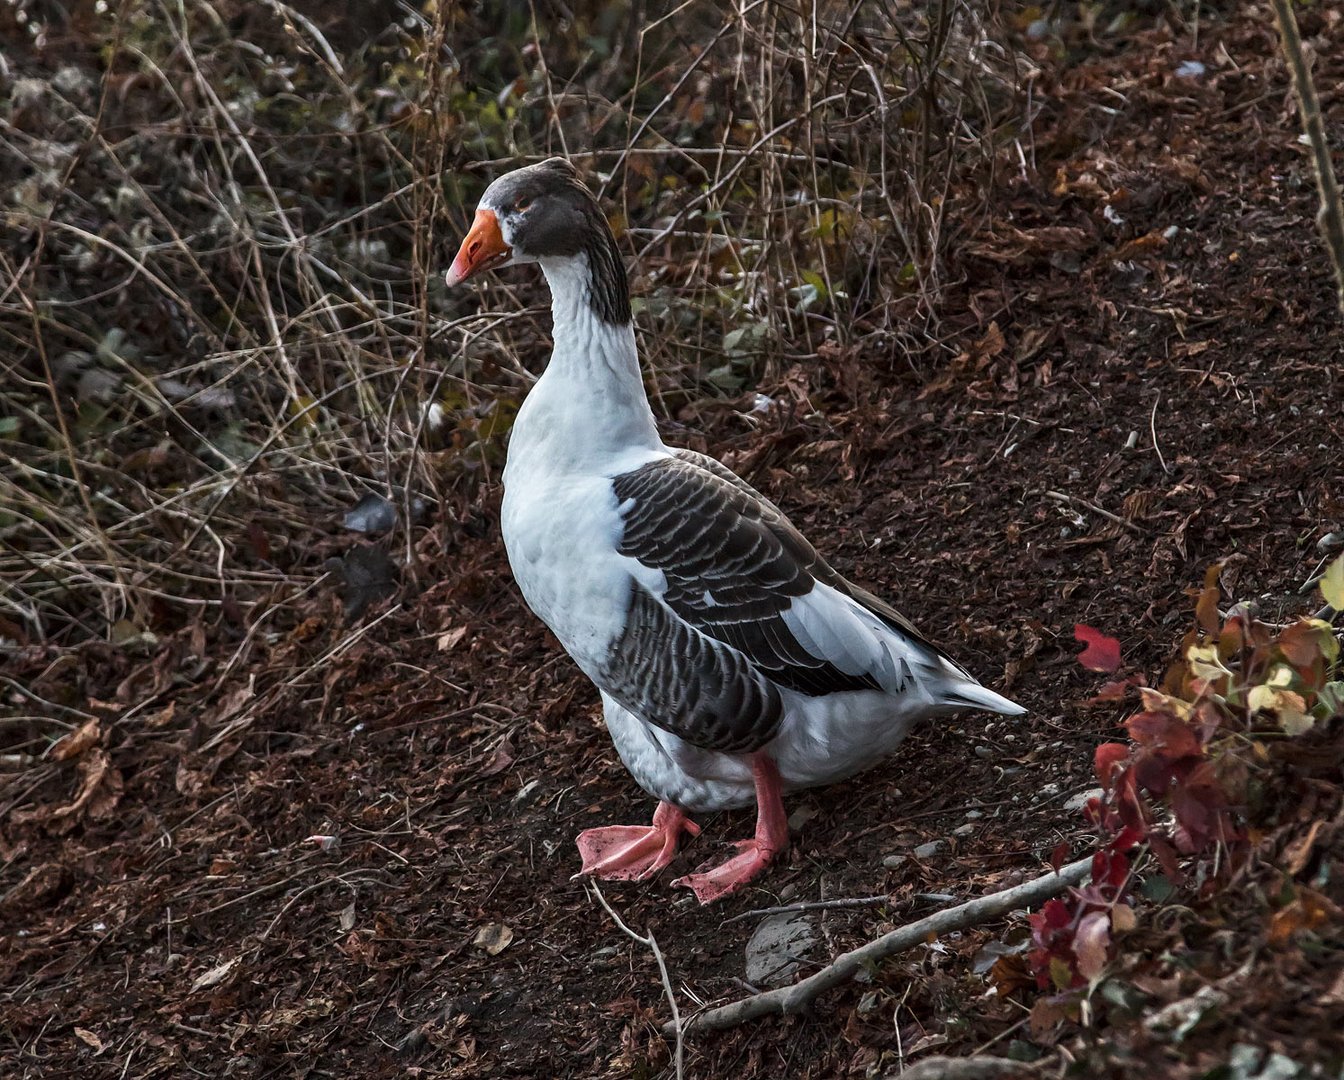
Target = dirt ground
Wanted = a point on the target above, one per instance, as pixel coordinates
(1148, 383)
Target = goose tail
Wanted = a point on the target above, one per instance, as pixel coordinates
(963, 692)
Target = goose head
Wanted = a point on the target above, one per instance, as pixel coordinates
(544, 214)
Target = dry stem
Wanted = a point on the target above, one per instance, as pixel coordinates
(1330, 218)
(796, 998)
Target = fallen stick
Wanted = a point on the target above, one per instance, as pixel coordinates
(674, 1026)
(796, 998)
(971, 1068)
(1060, 497)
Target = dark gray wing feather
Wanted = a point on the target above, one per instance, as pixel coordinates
(704, 661)
(666, 671)
(819, 568)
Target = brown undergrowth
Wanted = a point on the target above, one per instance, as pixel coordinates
(258, 821)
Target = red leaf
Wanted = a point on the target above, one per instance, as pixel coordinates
(1110, 868)
(1127, 838)
(1056, 913)
(1109, 757)
(1166, 856)
(1059, 854)
(1116, 689)
(1163, 729)
(1127, 804)
(1102, 652)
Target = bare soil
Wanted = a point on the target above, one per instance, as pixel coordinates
(1144, 327)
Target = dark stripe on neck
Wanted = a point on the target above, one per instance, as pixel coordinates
(609, 286)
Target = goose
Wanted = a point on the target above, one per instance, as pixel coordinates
(733, 663)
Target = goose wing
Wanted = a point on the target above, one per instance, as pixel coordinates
(747, 608)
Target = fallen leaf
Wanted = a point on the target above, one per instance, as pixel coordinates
(1046, 1014)
(161, 717)
(1123, 918)
(347, 917)
(1091, 944)
(1297, 853)
(450, 638)
(87, 1036)
(493, 937)
(500, 760)
(214, 976)
(1307, 912)
(77, 741)
(928, 1042)
(1115, 690)
(1102, 652)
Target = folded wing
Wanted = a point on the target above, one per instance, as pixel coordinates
(748, 608)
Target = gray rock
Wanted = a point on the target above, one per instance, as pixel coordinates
(777, 946)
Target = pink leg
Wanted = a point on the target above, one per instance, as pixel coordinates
(772, 837)
(626, 852)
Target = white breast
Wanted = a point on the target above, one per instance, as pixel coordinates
(561, 527)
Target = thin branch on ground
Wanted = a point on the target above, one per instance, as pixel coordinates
(794, 999)
(812, 905)
(1060, 497)
(674, 1026)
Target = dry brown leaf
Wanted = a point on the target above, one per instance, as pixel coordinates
(1307, 912)
(214, 976)
(493, 937)
(161, 717)
(94, 768)
(86, 1036)
(1297, 853)
(77, 741)
(451, 638)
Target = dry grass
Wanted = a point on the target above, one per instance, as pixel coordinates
(219, 306)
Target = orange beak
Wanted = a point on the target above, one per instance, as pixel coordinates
(482, 248)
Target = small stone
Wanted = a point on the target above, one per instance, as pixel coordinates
(776, 948)
(929, 850)
(1077, 802)
(894, 862)
(964, 830)
(974, 815)
(801, 817)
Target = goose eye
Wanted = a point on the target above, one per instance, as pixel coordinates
(521, 205)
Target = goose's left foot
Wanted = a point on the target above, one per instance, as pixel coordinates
(772, 837)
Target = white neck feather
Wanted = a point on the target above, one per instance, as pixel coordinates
(589, 408)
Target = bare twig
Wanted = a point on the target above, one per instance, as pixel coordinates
(1330, 218)
(1059, 496)
(794, 999)
(674, 1026)
(812, 905)
(1152, 429)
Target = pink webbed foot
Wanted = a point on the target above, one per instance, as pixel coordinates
(753, 856)
(714, 884)
(634, 852)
